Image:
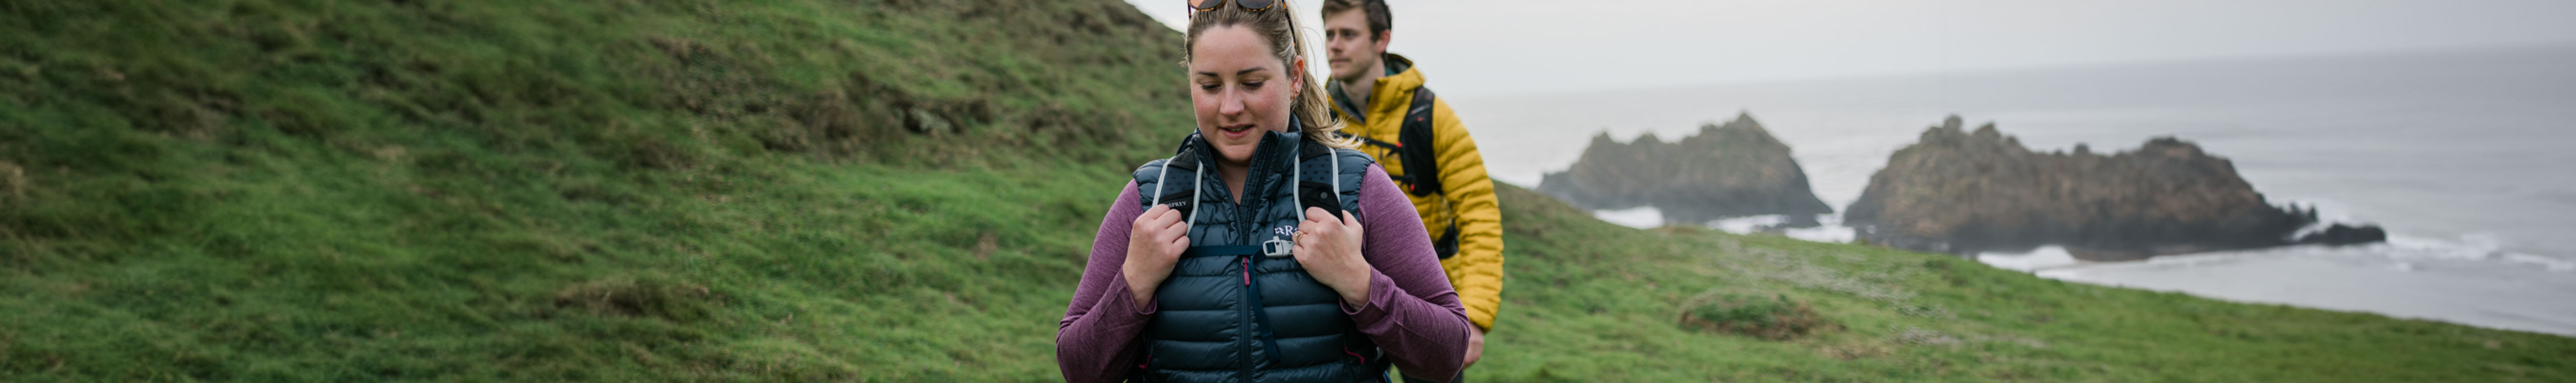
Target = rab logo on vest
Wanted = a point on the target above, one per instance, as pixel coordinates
(1280, 248)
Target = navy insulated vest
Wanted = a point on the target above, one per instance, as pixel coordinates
(1237, 307)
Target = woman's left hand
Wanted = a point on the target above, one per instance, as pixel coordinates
(1329, 248)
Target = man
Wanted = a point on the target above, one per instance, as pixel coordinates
(1420, 142)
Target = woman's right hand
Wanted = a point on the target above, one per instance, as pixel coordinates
(1154, 244)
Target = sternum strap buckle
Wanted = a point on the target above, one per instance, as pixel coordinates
(1278, 248)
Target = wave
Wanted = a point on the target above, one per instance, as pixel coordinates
(2474, 246)
(1643, 217)
(2402, 252)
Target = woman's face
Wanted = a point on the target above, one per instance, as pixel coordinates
(1238, 90)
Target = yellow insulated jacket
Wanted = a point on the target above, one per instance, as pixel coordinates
(1465, 202)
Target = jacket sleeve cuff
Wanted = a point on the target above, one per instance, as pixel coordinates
(1124, 304)
(1382, 292)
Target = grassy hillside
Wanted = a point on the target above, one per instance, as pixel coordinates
(869, 190)
(537, 191)
(1588, 299)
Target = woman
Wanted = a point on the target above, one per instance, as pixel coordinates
(1318, 270)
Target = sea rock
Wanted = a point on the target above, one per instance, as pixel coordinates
(1966, 192)
(2346, 235)
(1724, 171)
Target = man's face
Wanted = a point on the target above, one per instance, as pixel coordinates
(1350, 47)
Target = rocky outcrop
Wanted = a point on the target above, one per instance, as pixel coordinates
(1731, 170)
(1966, 192)
(2340, 235)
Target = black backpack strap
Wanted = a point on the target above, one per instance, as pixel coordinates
(1183, 166)
(1422, 163)
(1334, 183)
(1171, 181)
(1319, 191)
(1414, 146)
(1447, 245)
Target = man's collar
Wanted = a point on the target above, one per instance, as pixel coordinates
(1394, 64)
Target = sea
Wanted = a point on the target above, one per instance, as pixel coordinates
(2466, 156)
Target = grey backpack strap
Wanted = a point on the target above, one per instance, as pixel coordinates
(1337, 177)
(1198, 180)
(1198, 176)
(1162, 179)
(1281, 248)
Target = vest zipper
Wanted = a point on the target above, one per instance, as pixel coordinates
(1248, 331)
(1245, 209)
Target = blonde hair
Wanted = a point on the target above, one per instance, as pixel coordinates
(1276, 25)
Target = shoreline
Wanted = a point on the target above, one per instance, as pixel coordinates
(2409, 277)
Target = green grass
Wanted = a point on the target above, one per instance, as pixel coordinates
(895, 190)
(1587, 300)
(535, 191)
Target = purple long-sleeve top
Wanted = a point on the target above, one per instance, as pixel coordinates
(1411, 313)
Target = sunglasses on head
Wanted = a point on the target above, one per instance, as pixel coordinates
(1211, 5)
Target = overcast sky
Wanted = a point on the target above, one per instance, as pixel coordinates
(1513, 47)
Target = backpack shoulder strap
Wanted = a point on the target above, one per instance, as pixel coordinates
(1422, 162)
(1414, 146)
(1169, 181)
(1335, 177)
